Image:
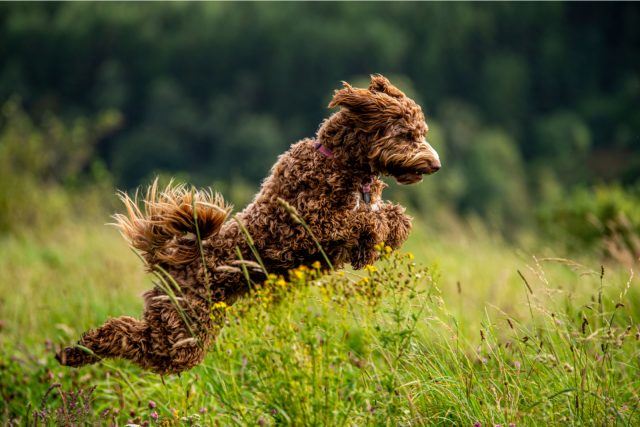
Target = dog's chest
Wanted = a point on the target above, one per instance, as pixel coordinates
(367, 197)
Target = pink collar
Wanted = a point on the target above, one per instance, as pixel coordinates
(366, 191)
(324, 150)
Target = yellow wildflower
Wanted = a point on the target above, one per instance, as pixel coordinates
(219, 305)
(316, 265)
(370, 268)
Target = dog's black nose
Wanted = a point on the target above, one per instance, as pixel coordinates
(435, 165)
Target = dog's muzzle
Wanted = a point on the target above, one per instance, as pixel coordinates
(433, 164)
(424, 162)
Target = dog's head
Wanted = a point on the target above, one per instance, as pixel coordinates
(393, 129)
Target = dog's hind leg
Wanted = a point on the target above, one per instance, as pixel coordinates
(168, 340)
(124, 337)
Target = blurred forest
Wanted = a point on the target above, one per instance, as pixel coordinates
(534, 107)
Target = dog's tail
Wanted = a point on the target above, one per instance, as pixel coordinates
(172, 223)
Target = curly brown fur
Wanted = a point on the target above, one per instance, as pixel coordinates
(378, 131)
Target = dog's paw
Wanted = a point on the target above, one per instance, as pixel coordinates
(399, 225)
(364, 253)
(75, 357)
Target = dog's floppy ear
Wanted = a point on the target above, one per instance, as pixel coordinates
(376, 97)
(351, 98)
(364, 102)
(380, 83)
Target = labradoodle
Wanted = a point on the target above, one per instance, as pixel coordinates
(331, 183)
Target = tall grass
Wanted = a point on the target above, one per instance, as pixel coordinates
(461, 331)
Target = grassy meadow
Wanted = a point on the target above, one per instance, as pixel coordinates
(458, 328)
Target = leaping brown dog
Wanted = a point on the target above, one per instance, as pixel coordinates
(333, 183)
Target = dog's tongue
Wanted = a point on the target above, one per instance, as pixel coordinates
(409, 178)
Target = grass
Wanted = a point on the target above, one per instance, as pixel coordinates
(454, 331)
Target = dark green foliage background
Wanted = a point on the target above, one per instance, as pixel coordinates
(526, 101)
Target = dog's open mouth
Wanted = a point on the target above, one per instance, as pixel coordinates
(411, 177)
(406, 176)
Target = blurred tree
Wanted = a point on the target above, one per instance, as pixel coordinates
(505, 90)
(495, 180)
(564, 142)
(37, 159)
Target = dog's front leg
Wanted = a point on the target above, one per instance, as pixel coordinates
(350, 235)
(387, 224)
(374, 229)
(398, 224)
